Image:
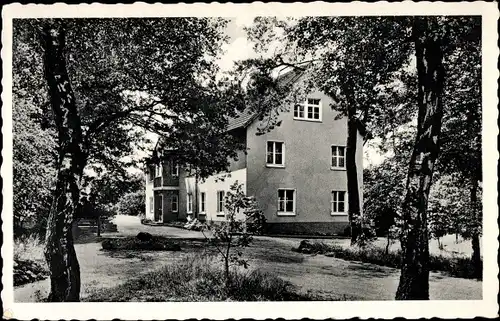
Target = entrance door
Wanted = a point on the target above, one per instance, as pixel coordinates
(158, 208)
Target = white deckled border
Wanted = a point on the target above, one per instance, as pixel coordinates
(486, 307)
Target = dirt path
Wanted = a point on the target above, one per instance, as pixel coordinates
(339, 279)
(101, 269)
(328, 277)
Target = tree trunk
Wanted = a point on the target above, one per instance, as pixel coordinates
(226, 265)
(414, 280)
(388, 243)
(352, 176)
(476, 250)
(98, 224)
(59, 249)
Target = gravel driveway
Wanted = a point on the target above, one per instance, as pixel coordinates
(325, 276)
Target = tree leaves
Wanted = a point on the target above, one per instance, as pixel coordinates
(157, 75)
(162, 70)
(33, 167)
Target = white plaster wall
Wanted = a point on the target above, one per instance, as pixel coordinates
(149, 193)
(211, 185)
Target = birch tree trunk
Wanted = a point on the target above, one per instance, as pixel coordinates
(59, 249)
(476, 249)
(414, 280)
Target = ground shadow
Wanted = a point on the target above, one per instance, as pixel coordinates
(186, 244)
(130, 254)
(370, 270)
(276, 255)
(85, 238)
(270, 251)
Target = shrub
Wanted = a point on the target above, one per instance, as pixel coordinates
(308, 247)
(29, 261)
(29, 248)
(144, 237)
(198, 278)
(194, 225)
(27, 271)
(155, 243)
(230, 235)
(132, 203)
(177, 223)
(146, 221)
(455, 266)
(259, 286)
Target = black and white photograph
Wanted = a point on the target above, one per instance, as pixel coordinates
(295, 156)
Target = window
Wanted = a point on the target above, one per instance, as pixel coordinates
(174, 169)
(158, 168)
(338, 157)
(174, 202)
(275, 154)
(190, 203)
(220, 202)
(339, 202)
(298, 111)
(202, 202)
(151, 205)
(310, 110)
(286, 202)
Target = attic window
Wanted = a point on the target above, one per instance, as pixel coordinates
(310, 110)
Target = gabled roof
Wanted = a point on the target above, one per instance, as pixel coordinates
(247, 116)
(242, 120)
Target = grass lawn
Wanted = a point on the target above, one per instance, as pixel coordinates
(451, 245)
(457, 266)
(200, 278)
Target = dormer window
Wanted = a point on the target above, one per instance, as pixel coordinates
(310, 110)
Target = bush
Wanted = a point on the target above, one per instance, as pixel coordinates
(231, 235)
(455, 266)
(144, 237)
(147, 221)
(194, 225)
(29, 261)
(155, 243)
(132, 203)
(27, 271)
(178, 224)
(198, 278)
(308, 247)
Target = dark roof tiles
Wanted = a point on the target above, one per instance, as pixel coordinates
(247, 116)
(242, 120)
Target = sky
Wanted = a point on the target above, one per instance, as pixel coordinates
(239, 47)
